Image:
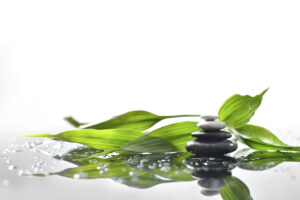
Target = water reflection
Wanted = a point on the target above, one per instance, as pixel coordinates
(213, 174)
(135, 170)
(147, 170)
(263, 160)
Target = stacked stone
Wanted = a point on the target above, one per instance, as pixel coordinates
(211, 141)
(211, 172)
(211, 166)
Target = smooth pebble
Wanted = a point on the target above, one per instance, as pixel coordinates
(223, 174)
(211, 125)
(210, 148)
(212, 164)
(209, 117)
(211, 135)
(209, 192)
(211, 183)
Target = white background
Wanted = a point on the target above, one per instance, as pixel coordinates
(96, 59)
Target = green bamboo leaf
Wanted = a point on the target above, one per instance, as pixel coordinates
(238, 110)
(174, 165)
(74, 122)
(134, 170)
(108, 139)
(137, 120)
(176, 135)
(258, 144)
(252, 131)
(80, 156)
(235, 189)
(147, 143)
(263, 160)
(259, 138)
(178, 170)
(115, 168)
(91, 171)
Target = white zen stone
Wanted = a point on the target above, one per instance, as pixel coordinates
(211, 125)
(209, 117)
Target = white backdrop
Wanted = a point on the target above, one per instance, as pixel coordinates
(96, 59)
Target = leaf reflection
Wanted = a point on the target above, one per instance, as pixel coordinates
(148, 170)
(235, 189)
(134, 170)
(263, 160)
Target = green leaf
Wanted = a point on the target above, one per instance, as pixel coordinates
(259, 138)
(116, 171)
(145, 167)
(74, 122)
(150, 144)
(252, 131)
(174, 165)
(91, 171)
(258, 144)
(108, 139)
(235, 189)
(173, 136)
(133, 169)
(170, 138)
(238, 110)
(178, 169)
(262, 160)
(137, 120)
(80, 156)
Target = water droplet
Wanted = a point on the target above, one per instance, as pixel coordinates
(58, 146)
(187, 171)
(177, 173)
(144, 160)
(165, 169)
(21, 172)
(12, 167)
(132, 173)
(76, 176)
(151, 166)
(119, 180)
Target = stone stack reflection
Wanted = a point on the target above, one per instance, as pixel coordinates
(210, 163)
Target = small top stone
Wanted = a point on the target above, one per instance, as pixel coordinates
(211, 135)
(209, 117)
(211, 125)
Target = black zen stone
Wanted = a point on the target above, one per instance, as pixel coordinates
(209, 192)
(211, 135)
(214, 166)
(210, 148)
(221, 174)
(211, 183)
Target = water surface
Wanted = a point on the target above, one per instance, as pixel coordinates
(35, 169)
